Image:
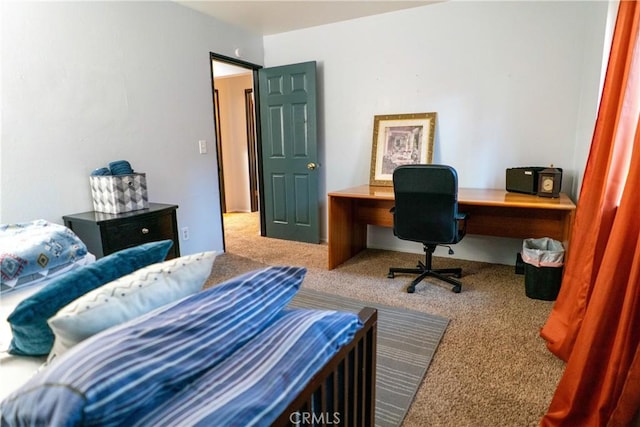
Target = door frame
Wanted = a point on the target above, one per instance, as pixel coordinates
(252, 149)
(256, 96)
(216, 112)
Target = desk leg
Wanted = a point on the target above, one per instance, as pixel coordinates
(346, 237)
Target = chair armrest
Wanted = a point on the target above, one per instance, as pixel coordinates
(462, 217)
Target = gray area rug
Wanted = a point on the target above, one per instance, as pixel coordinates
(406, 342)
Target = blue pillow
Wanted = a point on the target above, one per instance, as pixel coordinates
(138, 365)
(257, 382)
(31, 333)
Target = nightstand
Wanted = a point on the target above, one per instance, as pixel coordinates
(105, 233)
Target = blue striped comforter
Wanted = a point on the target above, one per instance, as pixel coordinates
(229, 353)
(255, 384)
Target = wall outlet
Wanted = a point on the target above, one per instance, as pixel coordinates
(185, 233)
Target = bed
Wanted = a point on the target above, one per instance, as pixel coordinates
(33, 251)
(343, 390)
(179, 355)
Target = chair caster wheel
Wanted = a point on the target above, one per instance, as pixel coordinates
(457, 289)
(411, 289)
(390, 275)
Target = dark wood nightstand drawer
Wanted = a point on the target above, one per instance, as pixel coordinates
(135, 232)
(105, 233)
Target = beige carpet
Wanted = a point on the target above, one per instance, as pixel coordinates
(491, 367)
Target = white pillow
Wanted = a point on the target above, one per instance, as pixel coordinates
(127, 298)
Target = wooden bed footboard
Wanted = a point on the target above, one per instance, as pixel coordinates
(343, 391)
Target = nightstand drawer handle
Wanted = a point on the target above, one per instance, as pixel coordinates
(145, 231)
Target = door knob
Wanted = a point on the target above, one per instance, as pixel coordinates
(311, 166)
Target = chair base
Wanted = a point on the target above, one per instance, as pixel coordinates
(425, 270)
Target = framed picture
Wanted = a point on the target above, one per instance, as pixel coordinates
(400, 139)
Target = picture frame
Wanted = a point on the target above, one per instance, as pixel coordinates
(400, 139)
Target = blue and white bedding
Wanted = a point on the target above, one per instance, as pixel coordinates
(16, 370)
(257, 382)
(231, 353)
(33, 304)
(32, 251)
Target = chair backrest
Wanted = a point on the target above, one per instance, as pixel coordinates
(426, 203)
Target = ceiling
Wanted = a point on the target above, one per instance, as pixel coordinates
(267, 17)
(223, 69)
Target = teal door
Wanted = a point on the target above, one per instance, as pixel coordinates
(289, 151)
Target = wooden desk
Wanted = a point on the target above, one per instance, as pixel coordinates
(491, 213)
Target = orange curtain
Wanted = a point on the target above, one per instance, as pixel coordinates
(595, 323)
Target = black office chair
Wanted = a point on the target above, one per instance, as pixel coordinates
(426, 211)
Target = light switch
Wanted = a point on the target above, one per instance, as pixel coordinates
(202, 144)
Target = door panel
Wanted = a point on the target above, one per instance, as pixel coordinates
(300, 131)
(289, 140)
(279, 183)
(276, 135)
(303, 216)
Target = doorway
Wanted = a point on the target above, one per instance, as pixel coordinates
(284, 143)
(236, 135)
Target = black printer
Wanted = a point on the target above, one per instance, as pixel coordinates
(523, 179)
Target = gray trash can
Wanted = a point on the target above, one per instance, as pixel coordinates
(543, 264)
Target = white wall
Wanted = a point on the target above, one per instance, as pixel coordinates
(234, 140)
(85, 83)
(513, 83)
(594, 67)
